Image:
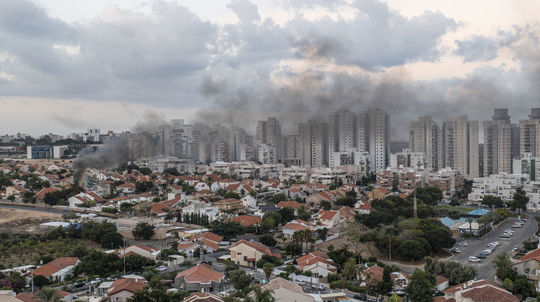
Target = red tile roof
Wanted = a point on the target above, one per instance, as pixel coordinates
(28, 297)
(127, 284)
(201, 273)
(54, 266)
(327, 215)
(41, 194)
(490, 293)
(247, 220)
(531, 255)
(374, 274)
(289, 204)
(455, 288)
(257, 246)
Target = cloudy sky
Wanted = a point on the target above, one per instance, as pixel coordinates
(69, 65)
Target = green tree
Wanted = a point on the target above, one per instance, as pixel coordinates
(48, 294)
(303, 213)
(268, 268)
(395, 298)
(287, 214)
(239, 279)
(231, 194)
(156, 292)
(350, 270)
(325, 205)
(492, 201)
(263, 295)
(421, 288)
(502, 264)
(277, 198)
(112, 240)
(40, 281)
(411, 249)
(268, 240)
(520, 200)
(386, 285)
(227, 229)
(143, 230)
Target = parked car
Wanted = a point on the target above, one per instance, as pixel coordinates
(506, 235)
(515, 248)
(464, 244)
(474, 259)
(455, 250)
(481, 256)
(161, 268)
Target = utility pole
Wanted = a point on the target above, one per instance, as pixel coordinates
(390, 248)
(124, 254)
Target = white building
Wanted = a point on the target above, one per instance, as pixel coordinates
(502, 185)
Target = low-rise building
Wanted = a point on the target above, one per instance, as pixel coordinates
(58, 269)
(247, 253)
(200, 278)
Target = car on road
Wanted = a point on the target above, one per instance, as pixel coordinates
(161, 268)
(506, 235)
(515, 248)
(463, 244)
(318, 286)
(481, 256)
(517, 225)
(455, 250)
(474, 259)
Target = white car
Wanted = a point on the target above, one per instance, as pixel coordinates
(474, 259)
(161, 268)
(464, 244)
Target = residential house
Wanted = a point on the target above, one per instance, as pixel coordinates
(123, 289)
(290, 204)
(58, 269)
(477, 291)
(296, 225)
(286, 291)
(377, 193)
(188, 248)
(41, 194)
(249, 201)
(247, 253)
(202, 297)
(247, 220)
(229, 204)
(316, 198)
(329, 219)
(200, 278)
(140, 250)
(126, 188)
(529, 265)
(318, 263)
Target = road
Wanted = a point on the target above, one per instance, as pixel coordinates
(486, 269)
(37, 209)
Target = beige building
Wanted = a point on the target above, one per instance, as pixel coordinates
(314, 143)
(286, 291)
(247, 253)
(529, 265)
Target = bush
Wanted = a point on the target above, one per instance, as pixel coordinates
(143, 230)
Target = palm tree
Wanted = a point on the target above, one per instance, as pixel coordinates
(48, 294)
(268, 268)
(503, 264)
(264, 296)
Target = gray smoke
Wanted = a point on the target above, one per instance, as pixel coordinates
(109, 155)
(317, 92)
(116, 152)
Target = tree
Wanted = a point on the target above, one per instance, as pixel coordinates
(303, 213)
(277, 198)
(263, 295)
(227, 229)
(502, 264)
(322, 233)
(492, 201)
(143, 230)
(350, 270)
(421, 288)
(270, 221)
(268, 240)
(40, 281)
(386, 285)
(520, 200)
(287, 214)
(156, 292)
(239, 279)
(112, 240)
(48, 294)
(231, 194)
(395, 298)
(268, 268)
(325, 205)
(411, 249)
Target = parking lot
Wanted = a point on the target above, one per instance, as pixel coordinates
(486, 268)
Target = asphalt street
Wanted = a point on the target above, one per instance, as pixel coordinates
(486, 269)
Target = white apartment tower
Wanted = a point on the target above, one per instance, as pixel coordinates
(379, 139)
(529, 134)
(424, 136)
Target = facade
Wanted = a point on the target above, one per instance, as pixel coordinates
(502, 185)
(379, 139)
(269, 133)
(529, 134)
(314, 143)
(424, 137)
(247, 253)
(291, 150)
(528, 165)
(501, 143)
(460, 147)
(407, 159)
(200, 278)
(58, 269)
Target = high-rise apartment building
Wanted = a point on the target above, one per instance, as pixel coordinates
(379, 139)
(291, 150)
(182, 139)
(466, 153)
(341, 131)
(425, 137)
(501, 143)
(529, 134)
(314, 143)
(269, 133)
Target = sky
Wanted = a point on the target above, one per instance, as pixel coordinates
(66, 66)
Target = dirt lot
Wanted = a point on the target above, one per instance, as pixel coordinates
(15, 220)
